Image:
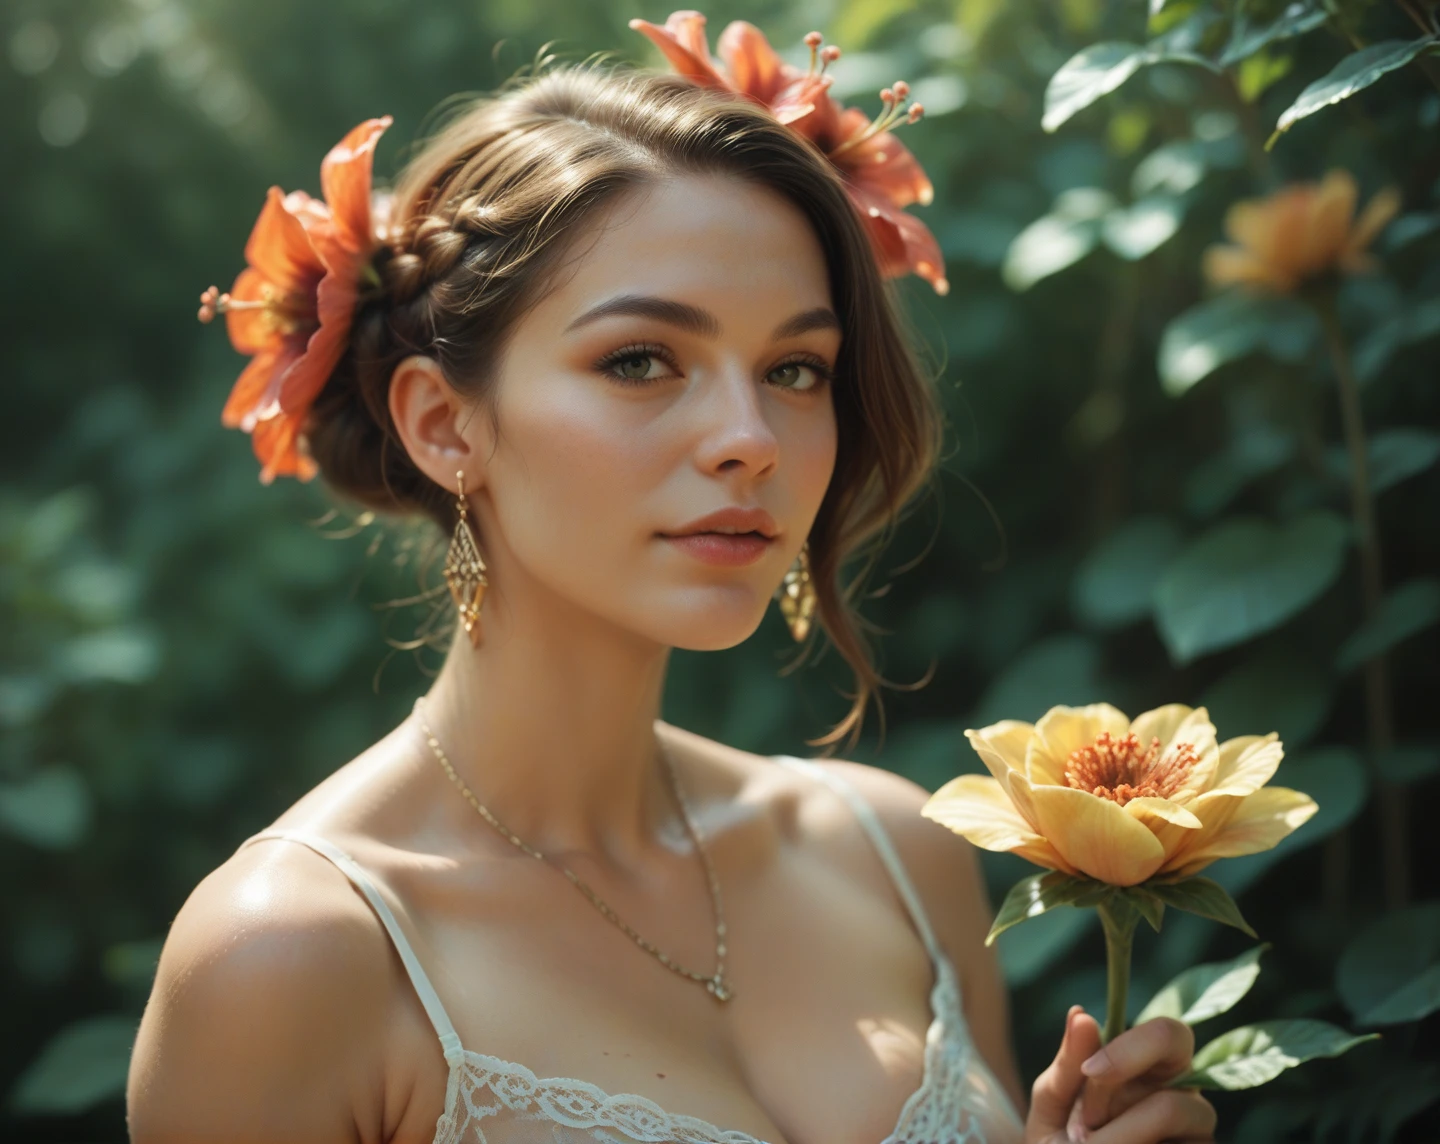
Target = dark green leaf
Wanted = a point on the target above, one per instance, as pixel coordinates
(1355, 72)
(1114, 584)
(1390, 972)
(1393, 455)
(1406, 611)
(50, 809)
(1247, 38)
(1203, 897)
(83, 1064)
(1256, 1054)
(1417, 323)
(1408, 764)
(1147, 905)
(1028, 951)
(1137, 230)
(1206, 991)
(1281, 691)
(1033, 896)
(1058, 239)
(1254, 451)
(1228, 327)
(1245, 577)
(1099, 70)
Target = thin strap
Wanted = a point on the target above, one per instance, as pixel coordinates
(449, 1039)
(883, 846)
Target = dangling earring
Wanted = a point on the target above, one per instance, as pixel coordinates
(797, 595)
(464, 570)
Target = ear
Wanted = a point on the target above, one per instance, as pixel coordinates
(436, 424)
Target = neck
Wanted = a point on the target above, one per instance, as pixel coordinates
(551, 724)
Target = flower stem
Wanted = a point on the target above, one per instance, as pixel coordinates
(1118, 920)
(1378, 709)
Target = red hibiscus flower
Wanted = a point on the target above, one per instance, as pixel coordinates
(291, 307)
(880, 174)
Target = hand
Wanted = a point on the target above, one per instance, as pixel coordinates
(1117, 1094)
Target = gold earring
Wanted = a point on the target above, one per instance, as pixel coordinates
(464, 569)
(797, 595)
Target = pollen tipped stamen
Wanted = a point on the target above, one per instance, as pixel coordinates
(895, 113)
(1121, 770)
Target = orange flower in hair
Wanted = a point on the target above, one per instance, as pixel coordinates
(880, 174)
(291, 307)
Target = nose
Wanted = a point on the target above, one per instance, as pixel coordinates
(736, 439)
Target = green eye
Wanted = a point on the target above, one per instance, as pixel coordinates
(635, 367)
(795, 375)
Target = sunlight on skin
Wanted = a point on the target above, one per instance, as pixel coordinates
(896, 1047)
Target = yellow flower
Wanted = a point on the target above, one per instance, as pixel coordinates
(1301, 232)
(1087, 791)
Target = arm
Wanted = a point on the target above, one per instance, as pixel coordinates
(266, 1002)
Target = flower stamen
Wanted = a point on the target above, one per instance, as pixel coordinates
(1120, 770)
(896, 112)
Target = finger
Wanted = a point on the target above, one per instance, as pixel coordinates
(1054, 1091)
(1158, 1050)
(1170, 1114)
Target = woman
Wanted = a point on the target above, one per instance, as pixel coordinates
(626, 336)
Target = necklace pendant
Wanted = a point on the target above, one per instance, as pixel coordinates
(717, 987)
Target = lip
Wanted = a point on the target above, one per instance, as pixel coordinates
(727, 521)
(747, 536)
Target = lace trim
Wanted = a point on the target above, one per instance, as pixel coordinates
(939, 1111)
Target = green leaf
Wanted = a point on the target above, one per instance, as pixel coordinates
(1137, 230)
(1248, 38)
(1030, 897)
(1393, 455)
(1146, 904)
(1115, 582)
(1172, 169)
(1206, 991)
(1280, 691)
(1390, 971)
(1028, 951)
(1254, 451)
(50, 809)
(1057, 240)
(1099, 70)
(1256, 1054)
(83, 1064)
(1203, 897)
(1408, 764)
(1406, 611)
(1355, 72)
(1245, 577)
(1229, 327)
(1417, 323)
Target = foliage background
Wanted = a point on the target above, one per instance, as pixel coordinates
(183, 652)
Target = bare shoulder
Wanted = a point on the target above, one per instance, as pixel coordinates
(270, 993)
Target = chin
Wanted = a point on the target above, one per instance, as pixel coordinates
(706, 619)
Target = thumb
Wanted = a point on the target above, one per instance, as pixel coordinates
(1053, 1095)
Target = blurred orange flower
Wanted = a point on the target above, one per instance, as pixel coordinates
(880, 174)
(1300, 233)
(292, 305)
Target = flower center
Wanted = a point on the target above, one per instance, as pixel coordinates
(282, 312)
(1121, 769)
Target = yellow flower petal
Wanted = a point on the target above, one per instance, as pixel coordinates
(1095, 836)
(1001, 746)
(1146, 809)
(1064, 730)
(1373, 219)
(1246, 764)
(1232, 266)
(1177, 723)
(1250, 223)
(1018, 787)
(976, 807)
(1254, 823)
(1331, 211)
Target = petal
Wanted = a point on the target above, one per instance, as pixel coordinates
(1234, 266)
(251, 330)
(1373, 219)
(307, 376)
(1249, 824)
(1001, 746)
(250, 388)
(1331, 211)
(1022, 796)
(976, 807)
(1251, 224)
(1063, 731)
(886, 167)
(279, 248)
(1096, 836)
(754, 68)
(1175, 724)
(276, 444)
(682, 40)
(807, 105)
(345, 177)
(1147, 810)
(1246, 764)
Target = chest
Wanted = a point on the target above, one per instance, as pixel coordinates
(823, 1042)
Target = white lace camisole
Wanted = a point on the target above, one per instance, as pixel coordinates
(492, 1101)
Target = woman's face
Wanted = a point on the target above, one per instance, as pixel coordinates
(663, 429)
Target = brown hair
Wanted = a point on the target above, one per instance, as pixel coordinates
(480, 217)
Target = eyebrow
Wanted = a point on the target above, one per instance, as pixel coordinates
(694, 320)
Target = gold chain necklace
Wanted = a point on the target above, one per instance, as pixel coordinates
(715, 983)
